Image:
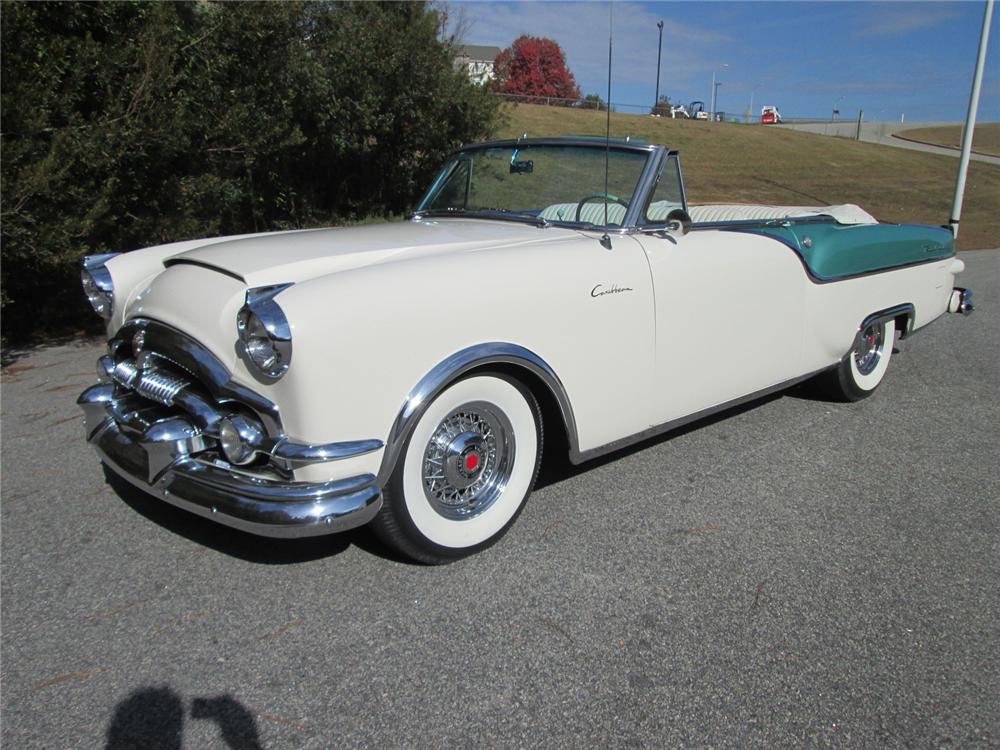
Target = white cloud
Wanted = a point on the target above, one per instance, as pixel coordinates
(899, 19)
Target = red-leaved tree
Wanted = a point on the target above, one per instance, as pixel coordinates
(534, 67)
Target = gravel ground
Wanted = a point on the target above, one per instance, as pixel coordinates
(794, 574)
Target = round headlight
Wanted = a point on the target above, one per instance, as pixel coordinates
(265, 333)
(97, 283)
(99, 299)
(261, 348)
(240, 437)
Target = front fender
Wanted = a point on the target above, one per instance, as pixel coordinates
(370, 340)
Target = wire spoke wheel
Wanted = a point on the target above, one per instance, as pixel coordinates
(868, 351)
(466, 469)
(468, 460)
(861, 371)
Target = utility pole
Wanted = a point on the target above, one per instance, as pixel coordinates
(711, 114)
(659, 54)
(970, 121)
(861, 118)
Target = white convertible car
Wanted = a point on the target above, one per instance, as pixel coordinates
(546, 292)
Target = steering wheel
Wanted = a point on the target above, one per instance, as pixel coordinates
(599, 196)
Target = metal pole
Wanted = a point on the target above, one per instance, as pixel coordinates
(970, 121)
(659, 54)
(861, 118)
(715, 98)
(711, 99)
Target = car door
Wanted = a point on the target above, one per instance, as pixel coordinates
(729, 317)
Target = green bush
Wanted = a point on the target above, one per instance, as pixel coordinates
(129, 124)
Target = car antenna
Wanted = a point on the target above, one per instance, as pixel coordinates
(606, 239)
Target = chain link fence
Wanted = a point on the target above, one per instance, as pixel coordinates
(647, 109)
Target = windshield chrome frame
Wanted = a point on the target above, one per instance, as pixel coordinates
(656, 158)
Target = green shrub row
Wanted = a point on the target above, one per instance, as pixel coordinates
(129, 124)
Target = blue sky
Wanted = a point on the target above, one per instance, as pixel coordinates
(888, 58)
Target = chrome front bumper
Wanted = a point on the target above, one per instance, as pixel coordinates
(163, 458)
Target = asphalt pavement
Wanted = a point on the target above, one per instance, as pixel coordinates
(796, 573)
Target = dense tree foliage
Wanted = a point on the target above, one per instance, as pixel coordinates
(534, 67)
(129, 124)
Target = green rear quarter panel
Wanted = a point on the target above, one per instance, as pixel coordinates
(834, 251)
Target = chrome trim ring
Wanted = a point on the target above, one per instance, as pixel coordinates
(868, 351)
(468, 460)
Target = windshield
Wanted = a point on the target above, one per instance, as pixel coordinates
(542, 183)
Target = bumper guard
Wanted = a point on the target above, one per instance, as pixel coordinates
(159, 458)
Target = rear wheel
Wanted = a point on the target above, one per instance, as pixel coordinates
(465, 472)
(860, 372)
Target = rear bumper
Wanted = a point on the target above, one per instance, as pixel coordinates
(961, 301)
(162, 460)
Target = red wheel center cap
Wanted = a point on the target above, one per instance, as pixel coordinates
(472, 462)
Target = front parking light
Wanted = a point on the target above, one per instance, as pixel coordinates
(240, 437)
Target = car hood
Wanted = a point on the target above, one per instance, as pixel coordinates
(283, 257)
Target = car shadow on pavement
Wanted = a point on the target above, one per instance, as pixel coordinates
(556, 466)
(229, 541)
(239, 544)
(152, 718)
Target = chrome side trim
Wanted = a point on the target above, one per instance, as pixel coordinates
(296, 454)
(446, 372)
(579, 457)
(881, 316)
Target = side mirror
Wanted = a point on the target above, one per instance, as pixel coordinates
(678, 220)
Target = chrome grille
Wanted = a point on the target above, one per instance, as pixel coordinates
(125, 373)
(160, 386)
(156, 382)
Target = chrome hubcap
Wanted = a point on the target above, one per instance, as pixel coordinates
(868, 352)
(468, 460)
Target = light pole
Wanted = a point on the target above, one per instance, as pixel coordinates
(711, 114)
(659, 53)
(836, 109)
(750, 108)
(970, 120)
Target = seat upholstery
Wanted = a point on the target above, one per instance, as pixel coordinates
(843, 214)
(592, 211)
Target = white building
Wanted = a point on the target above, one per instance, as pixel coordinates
(477, 61)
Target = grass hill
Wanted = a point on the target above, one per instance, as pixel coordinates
(986, 140)
(730, 163)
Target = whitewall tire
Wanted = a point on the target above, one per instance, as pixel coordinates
(861, 371)
(465, 472)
